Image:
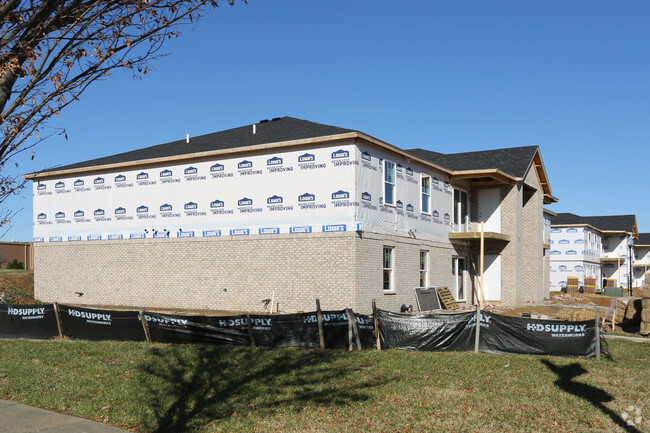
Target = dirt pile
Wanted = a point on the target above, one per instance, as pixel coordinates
(17, 287)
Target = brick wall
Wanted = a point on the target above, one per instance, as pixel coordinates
(227, 273)
(406, 268)
(237, 273)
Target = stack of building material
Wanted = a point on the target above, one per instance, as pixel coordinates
(645, 312)
(572, 285)
(624, 312)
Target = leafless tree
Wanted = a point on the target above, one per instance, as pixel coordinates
(52, 50)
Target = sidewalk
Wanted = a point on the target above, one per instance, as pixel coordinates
(19, 418)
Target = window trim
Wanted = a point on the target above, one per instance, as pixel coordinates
(387, 182)
(426, 268)
(390, 269)
(424, 176)
(460, 228)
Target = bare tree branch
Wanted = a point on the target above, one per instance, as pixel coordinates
(52, 50)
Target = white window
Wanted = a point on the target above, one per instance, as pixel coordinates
(459, 272)
(389, 183)
(425, 183)
(424, 266)
(461, 214)
(388, 269)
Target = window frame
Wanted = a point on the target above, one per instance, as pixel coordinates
(424, 268)
(423, 194)
(392, 184)
(388, 270)
(457, 207)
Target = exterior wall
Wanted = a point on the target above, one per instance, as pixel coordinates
(641, 265)
(613, 248)
(369, 250)
(575, 252)
(10, 251)
(547, 253)
(227, 273)
(343, 270)
(532, 243)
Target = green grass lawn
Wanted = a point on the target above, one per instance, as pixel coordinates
(197, 388)
(15, 271)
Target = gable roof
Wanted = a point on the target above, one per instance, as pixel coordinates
(270, 131)
(503, 165)
(514, 161)
(643, 240)
(607, 223)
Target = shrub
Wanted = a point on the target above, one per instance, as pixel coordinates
(15, 264)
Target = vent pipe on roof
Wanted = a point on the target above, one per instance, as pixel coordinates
(187, 138)
(254, 128)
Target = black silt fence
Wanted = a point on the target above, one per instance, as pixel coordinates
(37, 322)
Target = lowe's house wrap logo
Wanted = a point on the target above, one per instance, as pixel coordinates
(275, 165)
(41, 187)
(192, 209)
(79, 214)
(246, 205)
(245, 168)
(120, 178)
(339, 154)
(166, 173)
(275, 203)
(59, 185)
(245, 164)
(41, 216)
(334, 228)
(217, 171)
(98, 181)
(307, 201)
(307, 161)
(191, 174)
(306, 197)
(59, 215)
(341, 158)
(341, 198)
(366, 201)
(166, 211)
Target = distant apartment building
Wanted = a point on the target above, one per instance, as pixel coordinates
(641, 259)
(591, 247)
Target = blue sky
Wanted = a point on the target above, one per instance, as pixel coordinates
(570, 77)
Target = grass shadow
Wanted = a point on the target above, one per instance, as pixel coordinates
(595, 396)
(192, 385)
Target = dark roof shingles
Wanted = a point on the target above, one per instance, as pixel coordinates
(282, 129)
(605, 223)
(514, 161)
